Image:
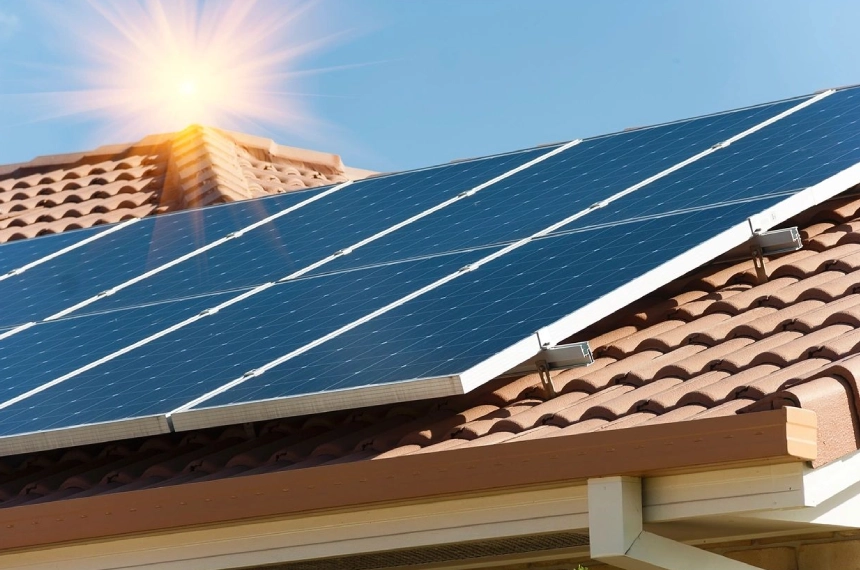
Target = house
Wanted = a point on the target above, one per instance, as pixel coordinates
(717, 424)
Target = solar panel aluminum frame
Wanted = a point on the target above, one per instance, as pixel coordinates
(530, 347)
(84, 434)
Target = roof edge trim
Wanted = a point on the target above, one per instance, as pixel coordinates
(778, 436)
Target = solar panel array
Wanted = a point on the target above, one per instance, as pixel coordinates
(405, 286)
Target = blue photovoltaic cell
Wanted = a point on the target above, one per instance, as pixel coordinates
(319, 229)
(50, 350)
(126, 253)
(560, 186)
(170, 371)
(16, 254)
(477, 315)
(796, 152)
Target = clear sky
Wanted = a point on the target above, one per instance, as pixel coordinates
(396, 84)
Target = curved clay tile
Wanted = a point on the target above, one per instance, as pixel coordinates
(728, 329)
(602, 341)
(846, 211)
(573, 413)
(798, 264)
(813, 230)
(840, 347)
(688, 392)
(629, 344)
(682, 362)
(608, 375)
(695, 309)
(845, 310)
(812, 287)
(814, 344)
(771, 321)
(847, 263)
(790, 375)
(586, 426)
(537, 415)
(751, 297)
(678, 336)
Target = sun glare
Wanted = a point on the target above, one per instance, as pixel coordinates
(159, 66)
(188, 88)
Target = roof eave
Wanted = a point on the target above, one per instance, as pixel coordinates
(778, 436)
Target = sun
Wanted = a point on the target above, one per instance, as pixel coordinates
(187, 88)
(159, 66)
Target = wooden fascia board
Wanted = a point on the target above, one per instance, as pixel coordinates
(783, 435)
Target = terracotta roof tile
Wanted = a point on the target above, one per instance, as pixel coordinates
(631, 402)
(843, 345)
(829, 397)
(692, 391)
(812, 230)
(574, 413)
(824, 286)
(158, 174)
(770, 383)
(725, 409)
(695, 309)
(694, 359)
(629, 344)
(752, 297)
(684, 334)
(679, 414)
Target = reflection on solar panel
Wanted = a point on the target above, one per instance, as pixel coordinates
(401, 287)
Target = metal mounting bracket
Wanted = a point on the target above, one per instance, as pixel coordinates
(758, 263)
(762, 244)
(546, 378)
(778, 241)
(772, 243)
(558, 357)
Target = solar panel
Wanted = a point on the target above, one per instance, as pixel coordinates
(448, 300)
(150, 380)
(321, 229)
(21, 255)
(100, 264)
(50, 350)
(464, 322)
(570, 181)
(258, 252)
(794, 153)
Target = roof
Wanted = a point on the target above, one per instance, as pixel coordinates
(714, 344)
(196, 167)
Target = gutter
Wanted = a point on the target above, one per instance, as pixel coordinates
(786, 435)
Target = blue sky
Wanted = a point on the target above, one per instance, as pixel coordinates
(412, 83)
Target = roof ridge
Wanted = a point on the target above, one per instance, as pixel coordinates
(207, 166)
